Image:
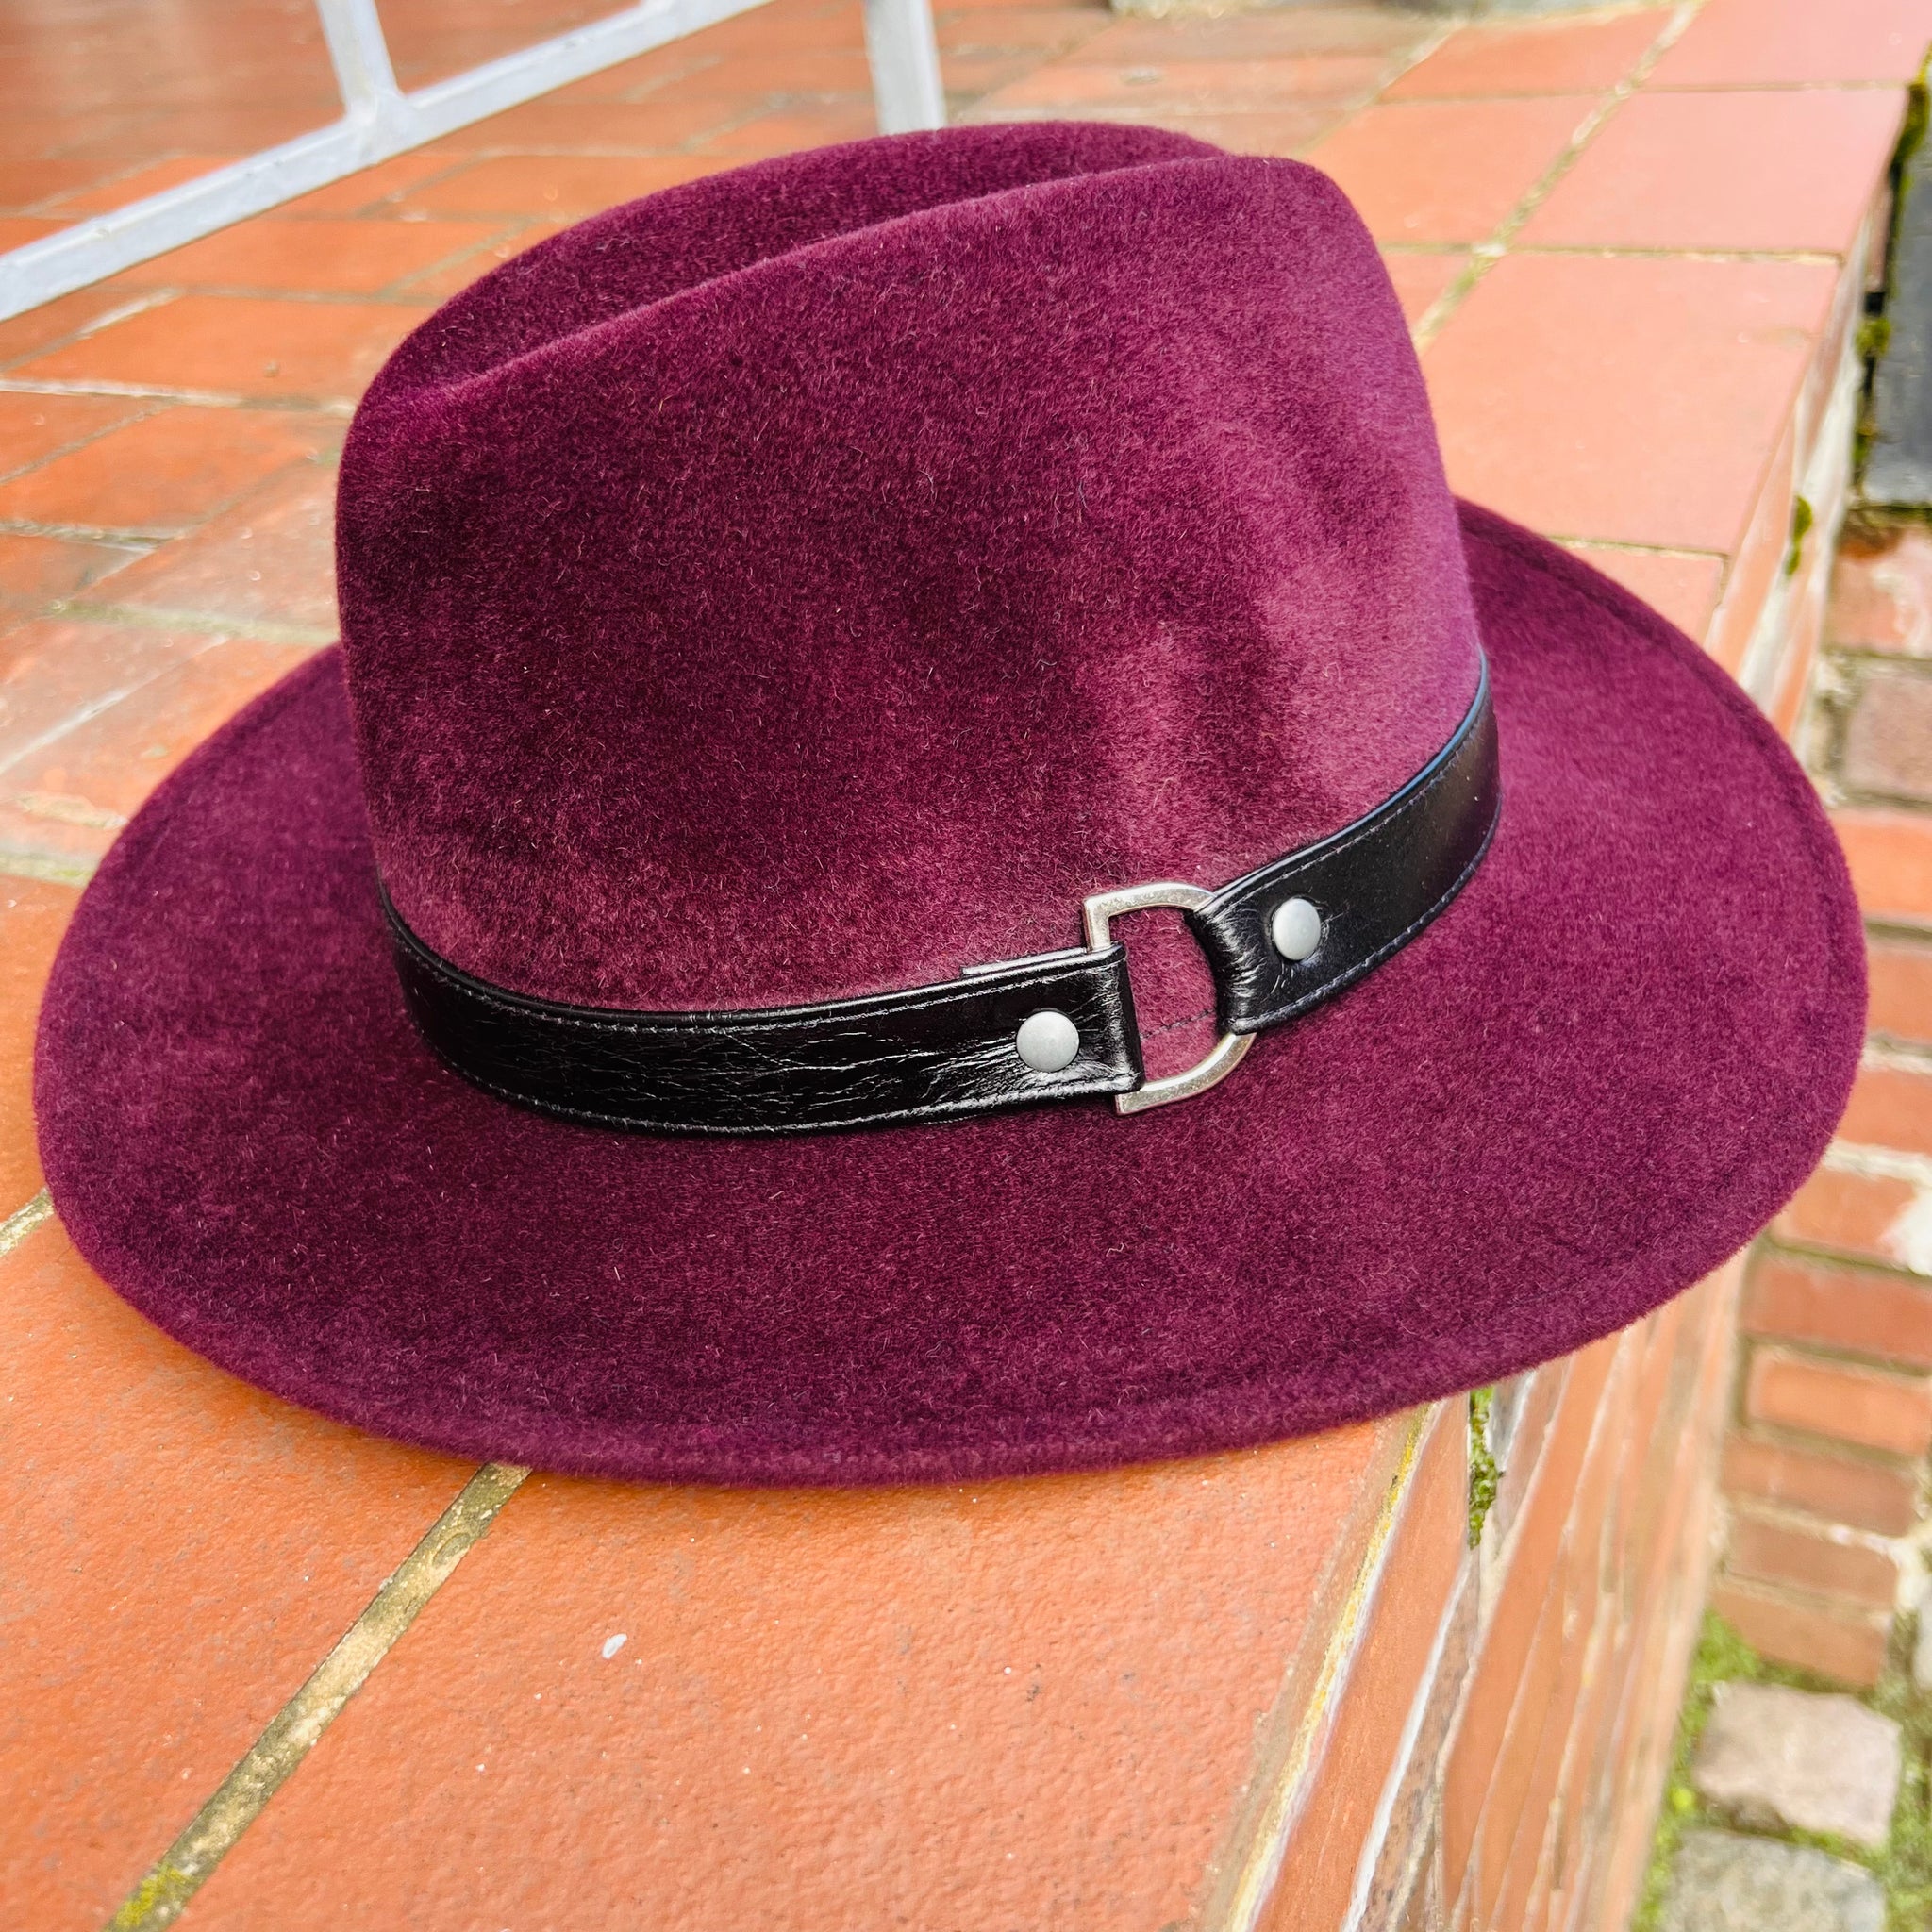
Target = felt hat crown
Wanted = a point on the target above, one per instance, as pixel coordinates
(816, 581)
(745, 620)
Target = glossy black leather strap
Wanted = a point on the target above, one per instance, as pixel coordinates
(924, 1054)
(932, 1053)
(1375, 884)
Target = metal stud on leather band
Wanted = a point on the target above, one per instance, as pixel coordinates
(1055, 1025)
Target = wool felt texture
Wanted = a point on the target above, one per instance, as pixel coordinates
(843, 618)
(1133, 560)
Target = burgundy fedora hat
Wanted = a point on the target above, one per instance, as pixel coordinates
(934, 850)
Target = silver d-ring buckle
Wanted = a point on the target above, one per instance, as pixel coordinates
(1225, 1055)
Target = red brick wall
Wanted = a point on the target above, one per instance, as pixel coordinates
(1823, 1466)
(1523, 1787)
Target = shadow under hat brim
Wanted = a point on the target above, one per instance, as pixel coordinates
(1583, 1087)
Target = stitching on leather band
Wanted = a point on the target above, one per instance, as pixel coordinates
(940, 1052)
(752, 1019)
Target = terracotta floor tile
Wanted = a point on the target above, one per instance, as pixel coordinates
(166, 472)
(1421, 279)
(108, 137)
(1789, 42)
(54, 322)
(25, 184)
(787, 27)
(1546, 57)
(651, 125)
(29, 134)
(182, 1551)
(1035, 31)
(1790, 170)
(111, 759)
(795, 73)
(234, 345)
(267, 560)
(135, 184)
(1199, 86)
(1283, 131)
(34, 428)
(970, 76)
(224, 128)
(54, 670)
(16, 231)
(1682, 585)
(1447, 171)
(803, 1709)
(373, 188)
(1637, 400)
(53, 838)
(439, 283)
(429, 44)
(536, 184)
(633, 79)
(788, 130)
(313, 256)
(946, 9)
(1275, 35)
(33, 571)
(33, 915)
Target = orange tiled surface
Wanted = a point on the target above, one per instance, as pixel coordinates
(1631, 341)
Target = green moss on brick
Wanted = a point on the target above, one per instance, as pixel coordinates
(1483, 1473)
(1803, 517)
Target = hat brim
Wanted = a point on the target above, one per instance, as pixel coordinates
(1583, 1088)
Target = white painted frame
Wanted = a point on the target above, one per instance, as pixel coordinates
(380, 119)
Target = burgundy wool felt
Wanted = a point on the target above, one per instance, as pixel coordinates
(818, 577)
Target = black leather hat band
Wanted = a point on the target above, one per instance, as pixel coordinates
(1055, 1027)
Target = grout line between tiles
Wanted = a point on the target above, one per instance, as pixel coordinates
(102, 702)
(205, 398)
(1907, 1058)
(28, 386)
(1395, 64)
(1739, 87)
(49, 205)
(23, 1221)
(78, 442)
(220, 628)
(291, 1734)
(126, 535)
(1485, 255)
(1618, 543)
(151, 298)
(52, 871)
(1812, 257)
(63, 808)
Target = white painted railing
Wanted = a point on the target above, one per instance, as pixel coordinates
(380, 120)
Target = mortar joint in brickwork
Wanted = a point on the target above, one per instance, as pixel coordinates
(1904, 1555)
